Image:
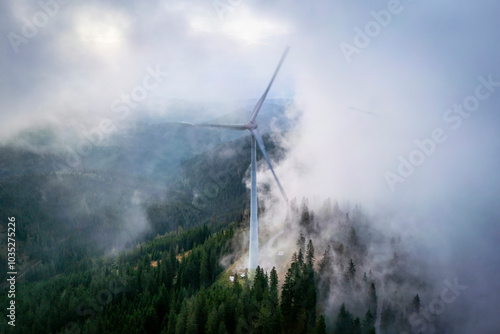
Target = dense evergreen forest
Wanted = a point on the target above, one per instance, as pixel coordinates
(108, 251)
(176, 284)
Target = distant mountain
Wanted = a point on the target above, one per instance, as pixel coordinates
(146, 149)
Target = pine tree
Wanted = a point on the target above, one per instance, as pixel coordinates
(343, 324)
(310, 254)
(274, 302)
(356, 326)
(305, 219)
(325, 272)
(387, 317)
(339, 249)
(212, 325)
(301, 242)
(310, 303)
(273, 287)
(351, 273)
(242, 326)
(372, 299)
(204, 270)
(368, 323)
(300, 258)
(264, 324)
(326, 263)
(150, 320)
(200, 309)
(320, 325)
(222, 328)
(180, 326)
(353, 237)
(260, 285)
(236, 285)
(192, 325)
(287, 295)
(416, 304)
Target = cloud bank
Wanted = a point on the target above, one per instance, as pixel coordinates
(393, 118)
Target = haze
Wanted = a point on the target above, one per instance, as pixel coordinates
(365, 102)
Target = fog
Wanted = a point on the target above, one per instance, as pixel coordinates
(379, 126)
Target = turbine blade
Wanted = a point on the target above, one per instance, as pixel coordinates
(225, 126)
(260, 142)
(367, 112)
(182, 123)
(256, 109)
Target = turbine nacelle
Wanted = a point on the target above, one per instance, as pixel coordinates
(252, 125)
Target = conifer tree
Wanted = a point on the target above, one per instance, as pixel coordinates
(368, 323)
(326, 263)
(222, 328)
(387, 317)
(353, 237)
(310, 254)
(212, 325)
(372, 299)
(350, 273)
(416, 304)
(343, 324)
(274, 302)
(192, 325)
(356, 326)
(287, 299)
(300, 258)
(301, 242)
(320, 325)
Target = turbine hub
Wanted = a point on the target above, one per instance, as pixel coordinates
(252, 125)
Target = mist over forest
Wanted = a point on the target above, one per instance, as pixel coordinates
(381, 125)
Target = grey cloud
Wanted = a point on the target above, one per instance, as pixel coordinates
(428, 58)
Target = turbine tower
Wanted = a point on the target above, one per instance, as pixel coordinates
(253, 257)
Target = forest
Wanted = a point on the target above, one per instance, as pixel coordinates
(108, 252)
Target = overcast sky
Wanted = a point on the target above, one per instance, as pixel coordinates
(407, 62)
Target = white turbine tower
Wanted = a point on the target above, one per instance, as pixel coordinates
(253, 257)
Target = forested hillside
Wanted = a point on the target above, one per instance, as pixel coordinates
(132, 292)
(177, 284)
(104, 250)
(66, 216)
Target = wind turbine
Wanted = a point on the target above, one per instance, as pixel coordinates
(253, 257)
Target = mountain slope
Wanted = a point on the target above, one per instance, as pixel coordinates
(67, 216)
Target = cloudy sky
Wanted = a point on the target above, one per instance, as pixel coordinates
(400, 99)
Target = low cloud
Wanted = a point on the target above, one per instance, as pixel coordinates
(359, 116)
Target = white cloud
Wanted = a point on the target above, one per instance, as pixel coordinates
(426, 60)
